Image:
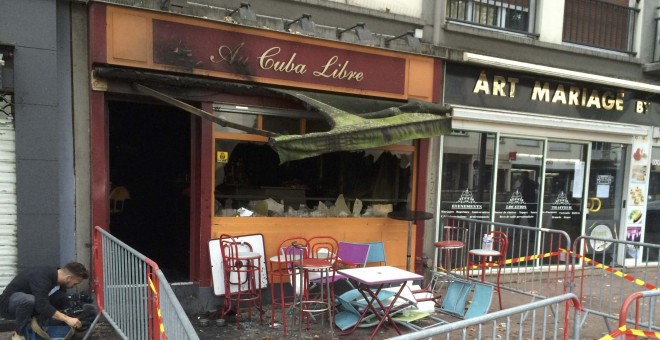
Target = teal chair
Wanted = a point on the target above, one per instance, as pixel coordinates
(456, 298)
(481, 299)
(376, 253)
(352, 305)
(459, 293)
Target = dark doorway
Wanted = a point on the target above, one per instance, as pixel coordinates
(150, 157)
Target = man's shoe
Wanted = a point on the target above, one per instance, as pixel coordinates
(16, 336)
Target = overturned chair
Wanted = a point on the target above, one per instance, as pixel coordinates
(419, 309)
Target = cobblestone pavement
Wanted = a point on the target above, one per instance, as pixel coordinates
(592, 328)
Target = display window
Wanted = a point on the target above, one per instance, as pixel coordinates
(535, 182)
(652, 230)
(467, 174)
(249, 179)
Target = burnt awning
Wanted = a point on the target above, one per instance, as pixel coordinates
(351, 128)
(350, 131)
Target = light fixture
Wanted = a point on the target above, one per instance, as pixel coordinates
(2, 63)
(362, 32)
(408, 37)
(168, 5)
(245, 13)
(558, 72)
(305, 22)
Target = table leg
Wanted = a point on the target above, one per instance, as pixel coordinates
(382, 315)
(409, 245)
(370, 299)
(386, 313)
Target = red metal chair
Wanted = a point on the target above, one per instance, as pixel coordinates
(280, 272)
(242, 273)
(319, 266)
(483, 258)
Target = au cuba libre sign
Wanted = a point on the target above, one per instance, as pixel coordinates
(186, 46)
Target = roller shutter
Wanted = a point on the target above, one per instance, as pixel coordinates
(8, 232)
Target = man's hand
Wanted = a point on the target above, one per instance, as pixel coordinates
(71, 322)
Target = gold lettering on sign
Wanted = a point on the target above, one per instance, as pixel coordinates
(230, 55)
(560, 95)
(574, 96)
(546, 92)
(594, 99)
(329, 70)
(499, 85)
(618, 102)
(512, 86)
(541, 92)
(267, 61)
(482, 84)
(642, 107)
(577, 96)
(608, 100)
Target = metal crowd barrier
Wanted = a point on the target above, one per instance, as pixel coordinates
(133, 294)
(643, 308)
(536, 266)
(610, 271)
(545, 319)
(176, 322)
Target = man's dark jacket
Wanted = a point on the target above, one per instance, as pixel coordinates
(38, 281)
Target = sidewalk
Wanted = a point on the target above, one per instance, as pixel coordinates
(102, 331)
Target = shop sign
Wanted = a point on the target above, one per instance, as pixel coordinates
(503, 89)
(183, 46)
(467, 206)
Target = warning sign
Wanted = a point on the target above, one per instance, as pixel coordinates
(222, 156)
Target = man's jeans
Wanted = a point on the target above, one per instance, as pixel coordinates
(21, 308)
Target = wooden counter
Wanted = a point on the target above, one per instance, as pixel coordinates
(393, 233)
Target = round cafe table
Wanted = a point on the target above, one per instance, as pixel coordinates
(410, 216)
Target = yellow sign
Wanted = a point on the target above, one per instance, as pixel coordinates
(222, 156)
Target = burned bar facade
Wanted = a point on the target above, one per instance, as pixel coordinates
(189, 180)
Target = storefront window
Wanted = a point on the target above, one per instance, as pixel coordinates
(250, 181)
(371, 183)
(518, 186)
(564, 186)
(606, 182)
(652, 229)
(467, 172)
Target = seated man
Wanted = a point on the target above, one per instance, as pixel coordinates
(41, 292)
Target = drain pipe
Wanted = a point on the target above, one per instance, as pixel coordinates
(438, 20)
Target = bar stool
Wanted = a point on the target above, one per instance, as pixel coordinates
(242, 271)
(452, 241)
(280, 272)
(483, 258)
(316, 268)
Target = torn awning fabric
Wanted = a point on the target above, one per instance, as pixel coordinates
(351, 132)
(348, 131)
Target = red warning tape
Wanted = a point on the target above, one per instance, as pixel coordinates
(513, 260)
(160, 316)
(613, 271)
(636, 332)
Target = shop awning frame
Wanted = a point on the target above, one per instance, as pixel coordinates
(348, 131)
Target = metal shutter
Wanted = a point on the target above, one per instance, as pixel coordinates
(8, 232)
